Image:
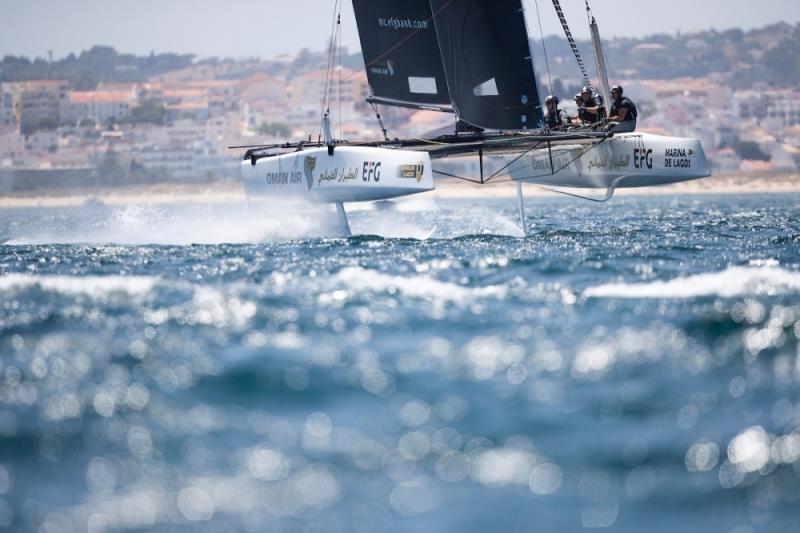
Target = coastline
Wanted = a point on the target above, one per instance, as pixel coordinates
(232, 192)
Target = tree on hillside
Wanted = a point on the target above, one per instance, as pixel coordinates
(98, 64)
(750, 150)
(274, 129)
(783, 61)
(150, 112)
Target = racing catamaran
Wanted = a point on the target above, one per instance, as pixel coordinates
(471, 58)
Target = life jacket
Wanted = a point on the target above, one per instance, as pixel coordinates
(556, 119)
(626, 102)
(588, 117)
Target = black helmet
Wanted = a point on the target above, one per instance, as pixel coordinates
(551, 98)
(586, 89)
(617, 88)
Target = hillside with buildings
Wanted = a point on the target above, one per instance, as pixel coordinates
(107, 118)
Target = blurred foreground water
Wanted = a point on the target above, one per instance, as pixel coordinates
(632, 366)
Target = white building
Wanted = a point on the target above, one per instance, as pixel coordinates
(175, 163)
(37, 104)
(42, 141)
(98, 106)
(784, 112)
(725, 160)
(12, 146)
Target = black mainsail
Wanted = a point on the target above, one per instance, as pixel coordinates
(401, 53)
(488, 63)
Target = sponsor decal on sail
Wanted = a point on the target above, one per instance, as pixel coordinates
(383, 69)
(396, 23)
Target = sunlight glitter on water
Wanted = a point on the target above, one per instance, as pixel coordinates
(580, 378)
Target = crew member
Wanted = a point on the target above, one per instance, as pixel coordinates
(578, 119)
(623, 112)
(556, 119)
(591, 110)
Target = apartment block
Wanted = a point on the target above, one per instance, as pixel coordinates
(6, 105)
(37, 104)
(98, 106)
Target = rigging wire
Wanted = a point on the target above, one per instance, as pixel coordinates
(335, 38)
(589, 18)
(339, 46)
(333, 44)
(554, 170)
(601, 57)
(401, 41)
(407, 37)
(544, 47)
(572, 44)
(378, 59)
(326, 87)
(380, 121)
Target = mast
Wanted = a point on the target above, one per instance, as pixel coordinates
(599, 56)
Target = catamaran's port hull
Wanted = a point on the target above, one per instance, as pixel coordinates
(350, 174)
(624, 160)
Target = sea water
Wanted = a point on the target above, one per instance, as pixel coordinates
(631, 365)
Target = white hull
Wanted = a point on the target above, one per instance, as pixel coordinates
(624, 160)
(351, 174)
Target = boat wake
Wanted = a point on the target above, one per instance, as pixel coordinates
(187, 224)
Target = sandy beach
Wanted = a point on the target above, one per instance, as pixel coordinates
(232, 192)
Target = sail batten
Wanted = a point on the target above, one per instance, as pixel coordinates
(445, 108)
(401, 53)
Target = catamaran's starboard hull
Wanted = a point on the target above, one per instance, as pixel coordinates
(624, 160)
(351, 174)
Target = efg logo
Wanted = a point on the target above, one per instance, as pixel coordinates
(642, 157)
(371, 171)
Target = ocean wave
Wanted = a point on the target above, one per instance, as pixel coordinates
(412, 286)
(94, 286)
(733, 281)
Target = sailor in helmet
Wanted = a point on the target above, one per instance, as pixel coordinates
(577, 119)
(591, 109)
(623, 112)
(556, 119)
